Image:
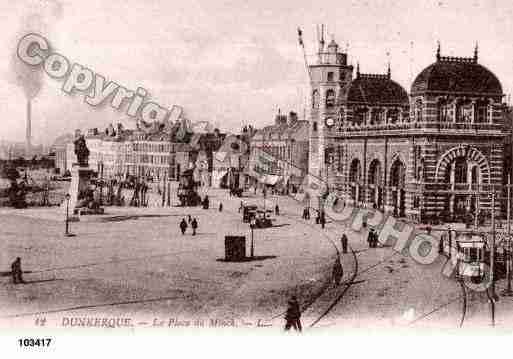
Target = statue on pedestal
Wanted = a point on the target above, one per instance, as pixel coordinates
(81, 151)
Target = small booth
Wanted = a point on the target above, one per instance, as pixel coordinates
(471, 256)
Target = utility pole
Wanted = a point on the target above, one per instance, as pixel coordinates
(508, 292)
(492, 296)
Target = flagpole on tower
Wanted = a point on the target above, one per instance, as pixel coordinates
(302, 44)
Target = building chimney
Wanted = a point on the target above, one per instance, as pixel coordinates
(28, 133)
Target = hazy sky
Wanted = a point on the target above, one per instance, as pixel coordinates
(232, 62)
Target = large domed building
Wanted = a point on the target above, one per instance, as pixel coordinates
(420, 155)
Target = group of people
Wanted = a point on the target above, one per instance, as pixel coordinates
(372, 238)
(184, 224)
(320, 219)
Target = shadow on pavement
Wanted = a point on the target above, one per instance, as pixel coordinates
(247, 259)
(137, 216)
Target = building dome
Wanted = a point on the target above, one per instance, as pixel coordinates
(460, 75)
(370, 88)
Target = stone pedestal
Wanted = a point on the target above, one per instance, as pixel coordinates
(80, 181)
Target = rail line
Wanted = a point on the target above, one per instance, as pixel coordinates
(347, 284)
(464, 303)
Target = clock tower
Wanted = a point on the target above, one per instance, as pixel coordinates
(330, 77)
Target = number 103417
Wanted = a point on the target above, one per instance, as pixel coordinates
(34, 342)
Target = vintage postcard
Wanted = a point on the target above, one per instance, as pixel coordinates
(285, 168)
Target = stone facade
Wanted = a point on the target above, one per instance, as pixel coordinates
(438, 151)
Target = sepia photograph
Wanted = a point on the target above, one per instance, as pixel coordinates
(291, 169)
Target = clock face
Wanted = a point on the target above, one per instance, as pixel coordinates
(330, 122)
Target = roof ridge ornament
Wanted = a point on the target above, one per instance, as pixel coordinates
(438, 52)
(476, 50)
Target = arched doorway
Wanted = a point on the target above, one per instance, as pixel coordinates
(355, 176)
(375, 189)
(462, 170)
(462, 177)
(397, 181)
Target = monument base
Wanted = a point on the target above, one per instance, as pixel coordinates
(80, 182)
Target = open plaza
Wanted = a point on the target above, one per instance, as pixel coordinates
(131, 267)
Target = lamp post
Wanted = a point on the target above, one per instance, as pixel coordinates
(252, 224)
(509, 255)
(66, 233)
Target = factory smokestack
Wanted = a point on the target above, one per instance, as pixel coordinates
(28, 133)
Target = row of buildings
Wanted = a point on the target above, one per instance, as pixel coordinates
(161, 151)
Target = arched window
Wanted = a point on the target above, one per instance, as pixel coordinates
(355, 171)
(393, 116)
(340, 119)
(460, 170)
(360, 116)
(418, 110)
(464, 112)
(474, 175)
(376, 115)
(330, 98)
(315, 99)
(443, 111)
(481, 110)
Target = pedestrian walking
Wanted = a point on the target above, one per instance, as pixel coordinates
(293, 315)
(183, 226)
(323, 219)
(189, 219)
(373, 238)
(338, 271)
(304, 213)
(370, 238)
(16, 272)
(194, 225)
(343, 241)
(277, 210)
(220, 207)
(241, 207)
(307, 213)
(376, 237)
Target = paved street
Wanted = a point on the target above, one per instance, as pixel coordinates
(133, 262)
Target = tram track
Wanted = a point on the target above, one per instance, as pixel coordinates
(339, 297)
(464, 303)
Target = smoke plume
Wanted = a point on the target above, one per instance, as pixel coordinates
(42, 15)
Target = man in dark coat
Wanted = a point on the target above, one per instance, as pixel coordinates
(277, 210)
(323, 219)
(220, 207)
(370, 238)
(344, 241)
(16, 272)
(293, 315)
(183, 226)
(373, 238)
(194, 225)
(338, 271)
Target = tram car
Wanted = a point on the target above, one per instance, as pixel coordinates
(471, 256)
(187, 193)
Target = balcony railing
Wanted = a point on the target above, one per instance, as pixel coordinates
(433, 126)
